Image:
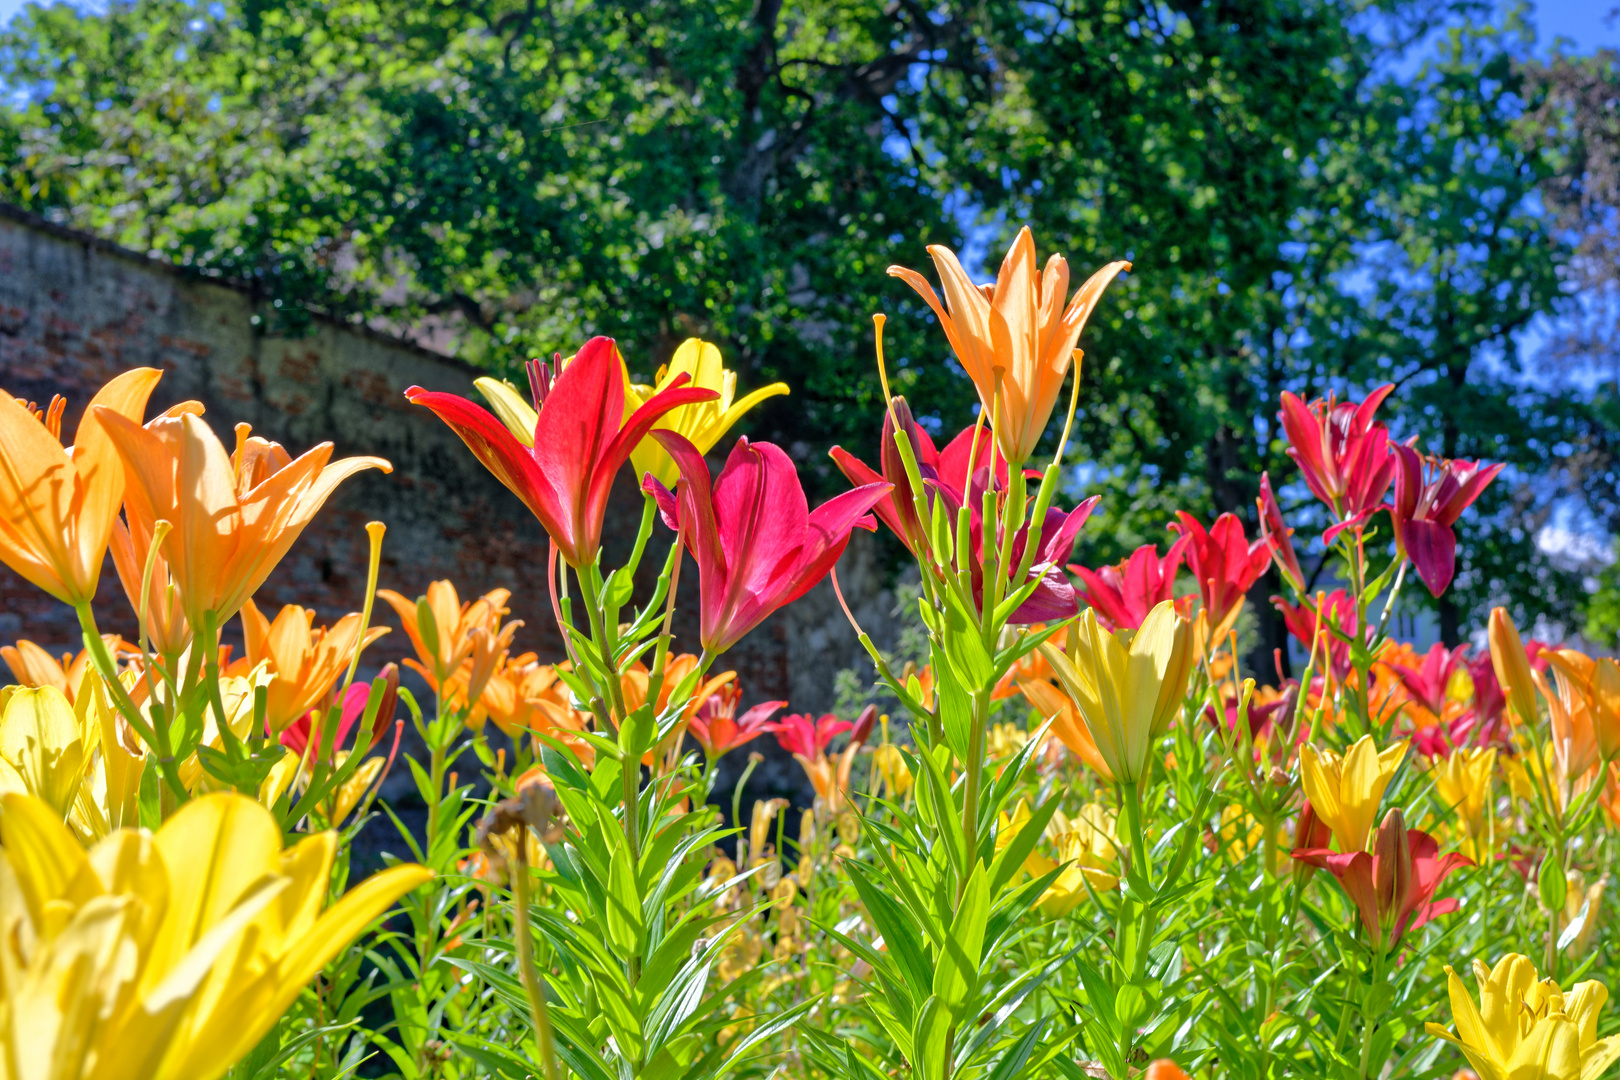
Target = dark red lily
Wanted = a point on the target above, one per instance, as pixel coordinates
(1311, 833)
(1343, 452)
(1278, 536)
(1393, 886)
(800, 734)
(581, 439)
(717, 727)
(1430, 495)
(296, 737)
(757, 544)
(1338, 609)
(1123, 594)
(947, 468)
(1225, 564)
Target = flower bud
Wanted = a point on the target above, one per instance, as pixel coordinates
(1512, 666)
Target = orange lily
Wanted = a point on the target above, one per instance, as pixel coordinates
(31, 665)
(1054, 705)
(234, 515)
(1015, 338)
(1596, 684)
(57, 504)
(446, 633)
(304, 662)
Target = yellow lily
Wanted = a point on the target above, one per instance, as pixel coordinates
(1463, 782)
(234, 514)
(702, 423)
(1345, 791)
(163, 956)
(1524, 1029)
(1088, 851)
(1015, 339)
(58, 504)
(73, 756)
(1127, 686)
(303, 662)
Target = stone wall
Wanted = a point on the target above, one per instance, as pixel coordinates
(75, 310)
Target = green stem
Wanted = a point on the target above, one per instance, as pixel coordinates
(155, 736)
(531, 977)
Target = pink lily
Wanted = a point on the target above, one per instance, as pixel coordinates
(805, 736)
(1430, 495)
(1338, 609)
(1225, 564)
(717, 727)
(1123, 594)
(757, 544)
(1278, 536)
(1427, 684)
(581, 439)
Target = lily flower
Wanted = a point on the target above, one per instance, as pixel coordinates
(181, 997)
(298, 735)
(1463, 782)
(1343, 452)
(805, 736)
(1124, 593)
(1337, 608)
(446, 633)
(1525, 1027)
(944, 472)
(1225, 565)
(58, 504)
(1588, 685)
(302, 661)
(234, 515)
(1345, 791)
(1430, 495)
(31, 665)
(1087, 850)
(581, 437)
(757, 544)
(1049, 700)
(719, 730)
(1126, 686)
(1427, 683)
(1015, 339)
(1574, 711)
(1392, 886)
(1278, 536)
(1310, 832)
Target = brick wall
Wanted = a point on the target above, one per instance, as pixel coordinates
(75, 310)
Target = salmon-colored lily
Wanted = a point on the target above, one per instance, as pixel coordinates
(58, 504)
(1015, 339)
(302, 661)
(234, 514)
(1124, 593)
(581, 438)
(31, 665)
(1343, 452)
(719, 730)
(1430, 495)
(757, 544)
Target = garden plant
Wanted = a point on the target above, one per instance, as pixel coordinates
(1086, 842)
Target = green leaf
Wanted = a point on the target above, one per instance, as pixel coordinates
(626, 928)
(956, 975)
(928, 1040)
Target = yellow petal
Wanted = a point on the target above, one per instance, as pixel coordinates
(509, 408)
(40, 736)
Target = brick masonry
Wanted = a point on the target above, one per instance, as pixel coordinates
(75, 310)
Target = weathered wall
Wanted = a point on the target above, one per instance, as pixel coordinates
(74, 311)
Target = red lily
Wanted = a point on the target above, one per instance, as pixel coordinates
(717, 727)
(1343, 452)
(581, 439)
(1427, 684)
(809, 738)
(296, 737)
(1310, 834)
(1124, 593)
(1338, 609)
(947, 468)
(1277, 535)
(757, 544)
(1225, 564)
(1393, 886)
(1430, 494)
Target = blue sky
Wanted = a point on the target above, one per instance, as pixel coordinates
(1582, 21)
